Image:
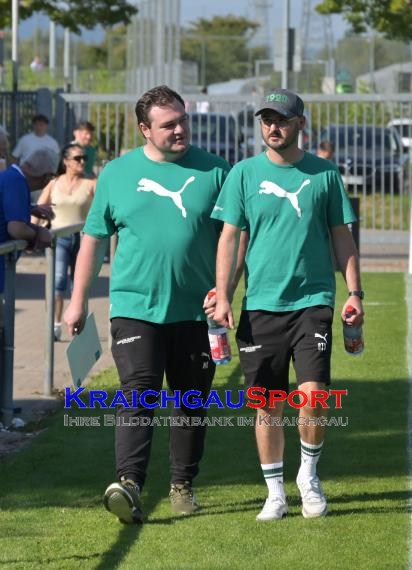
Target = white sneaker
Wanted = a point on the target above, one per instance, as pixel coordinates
(57, 331)
(313, 499)
(273, 509)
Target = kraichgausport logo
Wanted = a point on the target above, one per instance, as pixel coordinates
(193, 399)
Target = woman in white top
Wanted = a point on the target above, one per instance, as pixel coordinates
(70, 194)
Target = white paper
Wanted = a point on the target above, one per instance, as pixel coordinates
(84, 351)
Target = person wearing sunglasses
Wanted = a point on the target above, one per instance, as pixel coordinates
(70, 194)
(296, 211)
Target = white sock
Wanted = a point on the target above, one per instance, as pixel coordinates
(309, 456)
(273, 474)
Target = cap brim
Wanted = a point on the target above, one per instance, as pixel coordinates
(276, 107)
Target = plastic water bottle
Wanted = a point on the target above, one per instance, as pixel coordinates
(218, 339)
(352, 336)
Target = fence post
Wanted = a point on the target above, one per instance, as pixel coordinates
(49, 332)
(410, 242)
(355, 226)
(6, 386)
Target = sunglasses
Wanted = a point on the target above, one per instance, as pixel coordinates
(79, 158)
(280, 122)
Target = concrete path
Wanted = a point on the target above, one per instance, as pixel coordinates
(30, 337)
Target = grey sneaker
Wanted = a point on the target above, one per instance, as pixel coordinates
(123, 500)
(57, 331)
(274, 508)
(182, 499)
(313, 499)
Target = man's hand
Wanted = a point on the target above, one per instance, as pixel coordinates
(355, 320)
(209, 303)
(43, 239)
(42, 211)
(75, 318)
(223, 314)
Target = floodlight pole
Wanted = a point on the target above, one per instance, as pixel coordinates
(66, 59)
(52, 47)
(15, 68)
(285, 42)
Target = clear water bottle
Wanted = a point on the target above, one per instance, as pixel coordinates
(352, 336)
(218, 339)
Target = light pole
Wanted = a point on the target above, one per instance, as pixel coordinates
(371, 41)
(285, 43)
(15, 63)
(66, 59)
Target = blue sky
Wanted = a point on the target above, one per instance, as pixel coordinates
(193, 9)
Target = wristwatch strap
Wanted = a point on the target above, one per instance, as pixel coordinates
(360, 294)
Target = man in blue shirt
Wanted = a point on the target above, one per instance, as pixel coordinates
(16, 183)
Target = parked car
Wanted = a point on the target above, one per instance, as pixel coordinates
(404, 128)
(369, 157)
(217, 133)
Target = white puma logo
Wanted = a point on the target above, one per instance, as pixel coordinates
(272, 188)
(147, 185)
(317, 335)
(322, 345)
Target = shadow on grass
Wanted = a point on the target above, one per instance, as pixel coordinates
(70, 467)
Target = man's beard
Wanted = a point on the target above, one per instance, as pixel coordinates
(284, 142)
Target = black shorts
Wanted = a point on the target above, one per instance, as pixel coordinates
(267, 341)
(143, 352)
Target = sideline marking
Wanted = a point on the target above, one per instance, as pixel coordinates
(408, 279)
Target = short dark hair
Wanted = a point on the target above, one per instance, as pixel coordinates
(40, 119)
(327, 146)
(85, 126)
(161, 96)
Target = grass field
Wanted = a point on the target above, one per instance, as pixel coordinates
(384, 212)
(51, 514)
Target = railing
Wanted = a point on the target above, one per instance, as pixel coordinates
(375, 162)
(10, 249)
(16, 112)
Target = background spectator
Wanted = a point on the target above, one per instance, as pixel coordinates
(326, 149)
(203, 106)
(70, 194)
(16, 183)
(36, 140)
(36, 64)
(83, 135)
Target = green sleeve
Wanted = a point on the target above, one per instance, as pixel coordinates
(230, 204)
(339, 207)
(99, 222)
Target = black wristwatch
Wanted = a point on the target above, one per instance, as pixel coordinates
(359, 294)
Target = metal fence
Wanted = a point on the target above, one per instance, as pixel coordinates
(16, 112)
(10, 250)
(371, 135)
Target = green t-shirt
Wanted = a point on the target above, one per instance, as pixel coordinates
(165, 259)
(90, 152)
(287, 211)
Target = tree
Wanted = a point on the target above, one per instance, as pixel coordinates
(72, 14)
(392, 18)
(220, 47)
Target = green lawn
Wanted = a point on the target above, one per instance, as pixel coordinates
(51, 513)
(384, 212)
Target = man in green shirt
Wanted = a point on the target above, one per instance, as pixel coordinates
(293, 205)
(158, 198)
